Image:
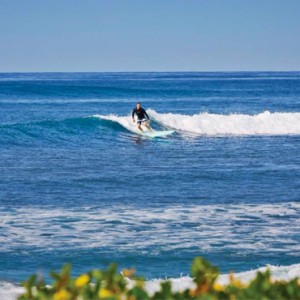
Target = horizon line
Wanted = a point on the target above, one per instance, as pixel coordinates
(240, 71)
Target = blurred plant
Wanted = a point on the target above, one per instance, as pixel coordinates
(111, 285)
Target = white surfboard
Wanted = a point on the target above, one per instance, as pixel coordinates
(156, 133)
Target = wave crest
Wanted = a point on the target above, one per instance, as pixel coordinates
(265, 123)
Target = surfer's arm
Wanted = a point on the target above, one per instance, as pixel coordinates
(145, 114)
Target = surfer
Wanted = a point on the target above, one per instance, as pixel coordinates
(142, 117)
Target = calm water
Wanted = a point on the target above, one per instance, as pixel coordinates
(78, 184)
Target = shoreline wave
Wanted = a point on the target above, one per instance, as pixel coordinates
(10, 291)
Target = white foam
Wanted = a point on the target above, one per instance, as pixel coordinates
(244, 227)
(9, 291)
(265, 123)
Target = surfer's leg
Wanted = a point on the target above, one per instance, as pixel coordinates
(147, 125)
(139, 127)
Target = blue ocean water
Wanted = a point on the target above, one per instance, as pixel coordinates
(79, 185)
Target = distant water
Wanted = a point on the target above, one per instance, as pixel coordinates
(79, 185)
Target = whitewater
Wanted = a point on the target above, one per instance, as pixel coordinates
(265, 123)
(79, 185)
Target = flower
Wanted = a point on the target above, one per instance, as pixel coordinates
(218, 287)
(82, 280)
(105, 293)
(62, 295)
(235, 282)
(128, 272)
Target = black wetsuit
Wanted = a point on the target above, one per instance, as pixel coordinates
(141, 114)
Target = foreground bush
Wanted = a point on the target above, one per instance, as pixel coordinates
(110, 285)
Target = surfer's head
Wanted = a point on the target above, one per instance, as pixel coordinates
(138, 105)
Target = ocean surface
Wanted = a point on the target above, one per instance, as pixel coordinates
(79, 185)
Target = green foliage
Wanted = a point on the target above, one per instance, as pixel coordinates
(111, 285)
(204, 274)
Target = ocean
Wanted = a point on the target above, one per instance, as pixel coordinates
(79, 185)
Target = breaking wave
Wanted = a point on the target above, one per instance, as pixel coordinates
(99, 126)
(265, 123)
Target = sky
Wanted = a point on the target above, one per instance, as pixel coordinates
(149, 35)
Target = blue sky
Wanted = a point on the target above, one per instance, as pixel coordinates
(153, 35)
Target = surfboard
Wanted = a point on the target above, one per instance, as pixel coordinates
(156, 133)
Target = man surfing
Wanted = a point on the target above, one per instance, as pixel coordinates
(141, 117)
